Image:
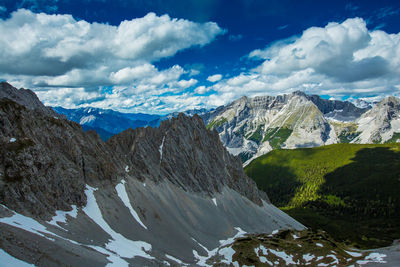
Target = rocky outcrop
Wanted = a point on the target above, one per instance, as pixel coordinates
(51, 159)
(150, 196)
(338, 110)
(24, 97)
(182, 151)
(45, 161)
(250, 127)
(380, 124)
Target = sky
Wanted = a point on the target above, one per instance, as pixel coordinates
(162, 56)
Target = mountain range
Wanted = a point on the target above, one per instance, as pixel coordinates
(107, 122)
(251, 127)
(171, 195)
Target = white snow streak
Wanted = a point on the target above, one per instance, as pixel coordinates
(353, 254)
(119, 244)
(26, 223)
(12, 140)
(123, 195)
(126, 168)
(161, 148)
(173, 258)
(215, 201)
(6, 260)
(87, 119)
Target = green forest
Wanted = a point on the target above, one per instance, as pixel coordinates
(349, 190)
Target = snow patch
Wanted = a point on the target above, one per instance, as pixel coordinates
(227, 253)
(308, 257)
(353, 254)
(26, 223)
(215, 201)
(61, 216)
(374, 257)
(12, 140)
(281, 254)
(275, 232)
(87, 119)
(126, 168)
(335, 260)
(264, 251)
(229, 241)
(9, 261)
(31, 225)
(122, 246)
(123, 195)
(319, 245)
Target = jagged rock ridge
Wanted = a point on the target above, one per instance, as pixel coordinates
(149, 196)
(250, 127)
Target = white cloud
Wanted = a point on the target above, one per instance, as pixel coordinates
(44, 46)
(214, 78)
(201, 89)
(187, 83)
(339, 59)
(68, 61)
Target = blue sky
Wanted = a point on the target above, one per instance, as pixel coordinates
(163, 56)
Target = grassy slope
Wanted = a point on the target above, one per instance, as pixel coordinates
(349, 190)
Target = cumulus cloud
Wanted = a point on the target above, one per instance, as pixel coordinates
(46, 52)
(338, 59)
(214, 78)
(61, 50)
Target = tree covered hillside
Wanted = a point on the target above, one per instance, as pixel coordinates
(349, 190)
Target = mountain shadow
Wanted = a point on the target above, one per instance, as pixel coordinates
(279, 182)
(360, 200)
(348, 190)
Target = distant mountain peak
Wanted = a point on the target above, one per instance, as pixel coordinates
(250, 127)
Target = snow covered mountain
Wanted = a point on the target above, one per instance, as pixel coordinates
(251, 127)
(380, 124)
(164, 196)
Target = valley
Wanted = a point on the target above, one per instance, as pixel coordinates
(348, 190)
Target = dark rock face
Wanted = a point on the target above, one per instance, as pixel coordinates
(184, 152)
(45, 161)
(146, 197)
(346, 108)
(24, 97)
